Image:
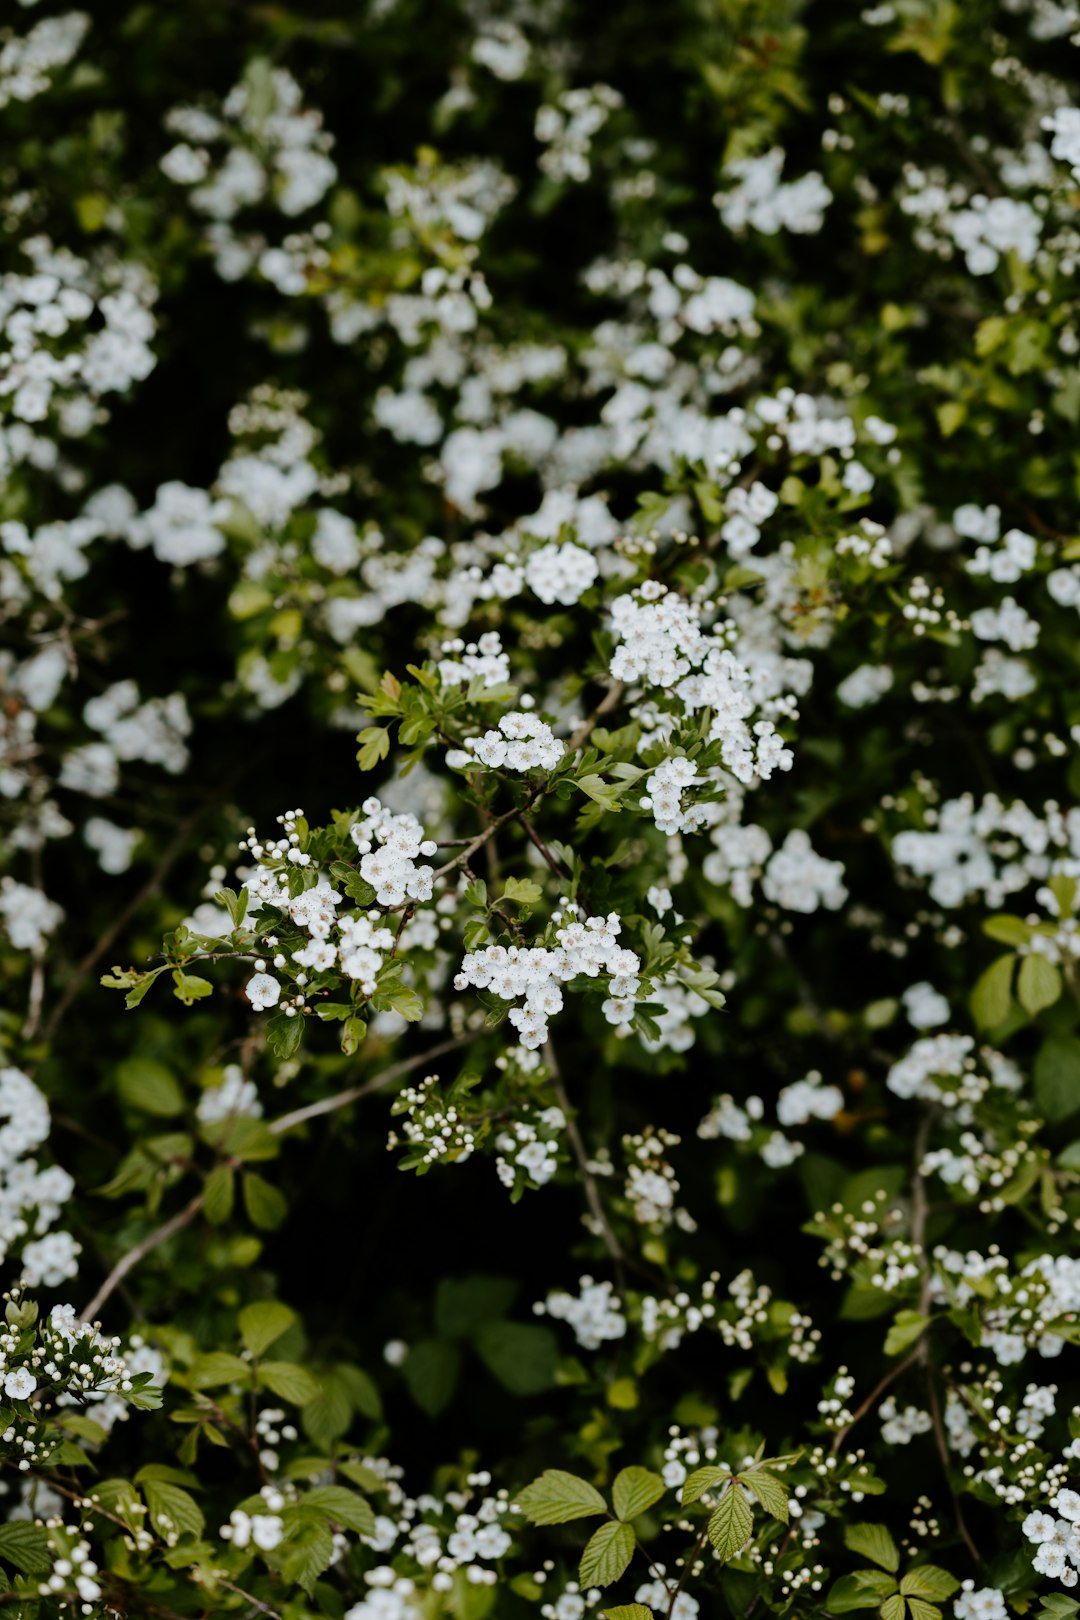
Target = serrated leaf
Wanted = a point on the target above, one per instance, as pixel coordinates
(770, 1491)
(732, 1523)
(344, 1507)
(1038, 983)
(628, 1611)
(431, 1371)
(607, 1554)
(25, 1547)
(893, 1608)
(702, 1480)
(866, 1589)
(328, 1416)
(557, 1497)
(305, 1555)
(930, 1582)
(294, 1384)
(874, 1542)
(634, 1490)
(263, 1322)
(173, 1512)
(283, 1035)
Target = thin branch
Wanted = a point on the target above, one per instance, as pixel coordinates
(130, 1260)
(875, 1395)
(592, 1191)
(610, 700)
(330, 1105)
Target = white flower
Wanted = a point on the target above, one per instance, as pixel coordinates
(20, 1384)
(263, 991)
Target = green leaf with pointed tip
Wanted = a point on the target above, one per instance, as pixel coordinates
(292, 1383)
(634, 1490)
(893, 1608)
(907, 1329)
(343, 1506)
(770, 1491)
(628, 1611)
(929, 1582)
(557, 1497)
(262, 1322)
(606, 1555)
(1038, 983)
(918, 1609)
(732, 1524)
(873, 1541)
(25, 1547)
(702, 1480)
(992, 995)
(866, 1589)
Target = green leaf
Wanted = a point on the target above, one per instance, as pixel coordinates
(293, 1383)
(866, 1589)
(732, 1524)
(219, 1194)
(263, 1322)
(557, 1497)
(1007, 930)
(374, 745)
(328, 1416)
(522, 891)
(702, 1480)
(893, 1608)
(146, 1084)
(929, 1582)
(607, 1554)
(464, 1304)
(25, 1547)
(344, 1507)
(283, 1035)
(599, 791)
(628, 1611)
(1057, 1077)
(634, 1490)
(992, 995)
(189, 988)
(306, 1554)
(907, 1329)
(918, 1609)
(770, 1491)
(217, 1367)
(431, 1371)
(173, 1513)
(521, 1355)
(265, 1205)
(1038, 984)
(875, 1542)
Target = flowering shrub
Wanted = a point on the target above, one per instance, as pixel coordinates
(613, 1145)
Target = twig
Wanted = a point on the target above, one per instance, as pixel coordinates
(130, 1260)
(610, 700)
(592, 1192)
(329, 1105)
(875, 1395)
(256, 1603)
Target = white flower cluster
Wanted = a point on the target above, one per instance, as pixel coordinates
(560, 573)
(984, 229)
(899, 1426)
(232, 1098)
(30, 1198)
(28, 915)
(484, 659)
(152, 731)
(1007, 622)
(990, 850)
(27, 60)
(1057, 1539)
(1064, 125)
(436, 1538)
(565, 129)
(389, 845)
(528, 1150)
(520, 742)
(799, 880)
(808, 1099)
(761, 200)
(74, 331)
(261, 1530)
(661, 643)
(433, 1129)
(594, 1312)
(537, 974)
(278, 148)
(942, 1069)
